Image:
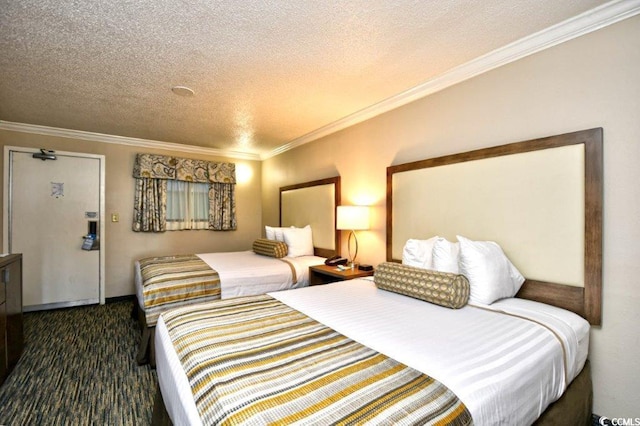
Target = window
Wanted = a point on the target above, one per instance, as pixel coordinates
(187, 205)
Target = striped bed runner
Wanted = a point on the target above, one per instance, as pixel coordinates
(174, 281)
(255, 360)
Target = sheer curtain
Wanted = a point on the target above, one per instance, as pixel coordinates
(187, 205)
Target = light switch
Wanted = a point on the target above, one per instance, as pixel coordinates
(115, 217)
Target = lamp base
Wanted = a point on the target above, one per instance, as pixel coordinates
(352, 258)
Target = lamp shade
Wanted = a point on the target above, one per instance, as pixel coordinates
(353, 218)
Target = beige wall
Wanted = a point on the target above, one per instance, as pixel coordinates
(588, 82)
(123, 246)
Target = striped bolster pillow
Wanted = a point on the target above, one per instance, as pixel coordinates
(271, 248)
(442, 288)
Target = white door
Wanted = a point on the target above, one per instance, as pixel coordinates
(51, 203)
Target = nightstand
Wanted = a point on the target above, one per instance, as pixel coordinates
(323, 274)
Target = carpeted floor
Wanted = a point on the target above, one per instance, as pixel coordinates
(78, 367)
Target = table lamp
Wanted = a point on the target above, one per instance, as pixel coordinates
(352, 218)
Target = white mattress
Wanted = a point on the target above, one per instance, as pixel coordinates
(244, 273)
(505, 369)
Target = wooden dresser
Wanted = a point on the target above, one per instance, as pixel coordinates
(11, 333)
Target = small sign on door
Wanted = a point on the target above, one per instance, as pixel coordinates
(57, 189)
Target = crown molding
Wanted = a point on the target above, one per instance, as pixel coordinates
(592, 20)
(122, 140)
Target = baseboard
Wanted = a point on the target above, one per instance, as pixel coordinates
(120, 298)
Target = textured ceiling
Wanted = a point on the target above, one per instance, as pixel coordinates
(264, 72)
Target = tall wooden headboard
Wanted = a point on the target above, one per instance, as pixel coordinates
(540, 199)
(314, 203)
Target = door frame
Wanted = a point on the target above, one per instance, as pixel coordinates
(7, 199)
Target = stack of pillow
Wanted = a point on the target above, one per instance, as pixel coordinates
(490, 274)
(299, 241)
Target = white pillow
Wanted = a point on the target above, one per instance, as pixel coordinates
(274, 233)
(419, 253)
(299, 241)
(490, 273)
(445, 256)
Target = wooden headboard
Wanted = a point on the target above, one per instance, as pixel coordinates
(314, 203)
(541, 200)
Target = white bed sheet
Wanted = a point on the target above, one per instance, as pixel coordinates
(244, 273)
(506, 370)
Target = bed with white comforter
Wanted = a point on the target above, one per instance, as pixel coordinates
(506, 362)
(240, 273)
(244, 273)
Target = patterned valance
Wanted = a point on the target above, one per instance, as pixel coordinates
(164, 167)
